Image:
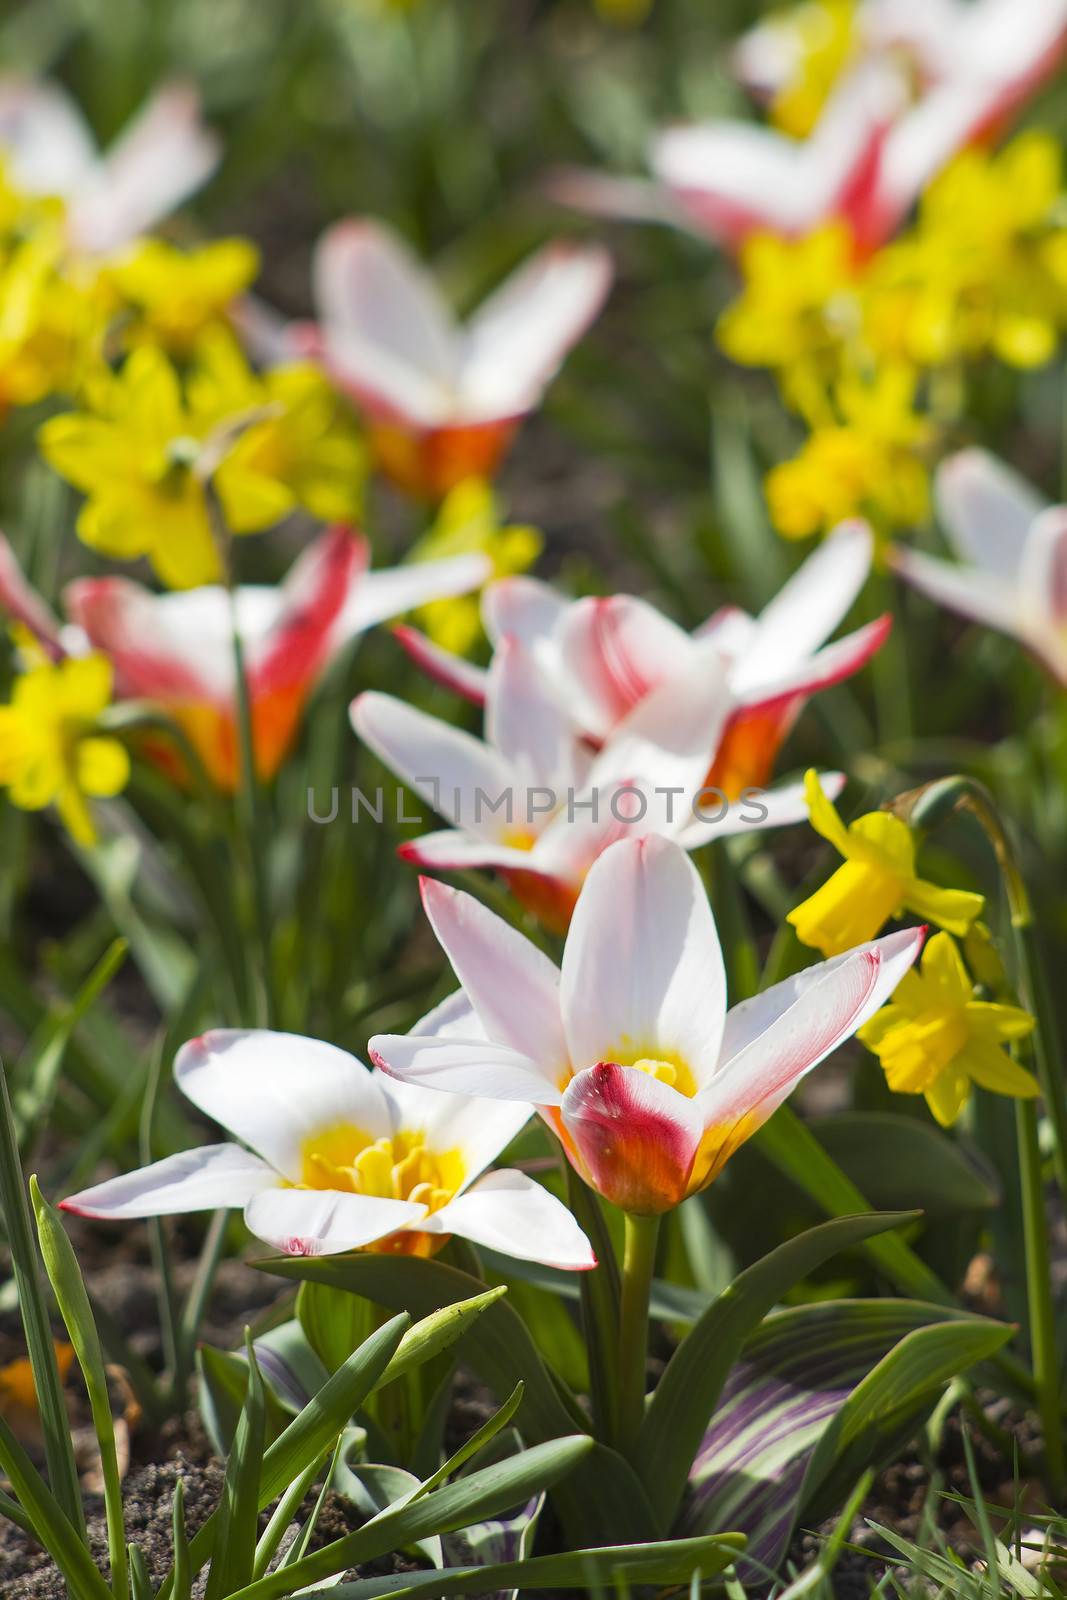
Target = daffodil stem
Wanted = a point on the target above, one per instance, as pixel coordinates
(638, 1264)
(1039, 1295)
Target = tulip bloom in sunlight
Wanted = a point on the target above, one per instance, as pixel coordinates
(877, 882)
(629, 1051)
(604, 656)
(443, 401)
(51, 750)
(936, 1038)
(532, 802)
(1012, 548)
(159, 159)
(176, 650)
(343, 1158)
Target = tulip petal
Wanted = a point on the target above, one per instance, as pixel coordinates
(525, 607)
(159, 159)
(450, 850)
(46, 142)
(194, 1180)
(18, 597)
(322, 1222)
(275, 1091)
(643, 972)
(765, 808)
(635, 1137)
(296, 647)
(1043, 581)
(773, 1040)
(971, 592)
(445, 766)
(615, 649)
(512, 986)
(987, 510)
(475, 1066)
(394, 590)
(386, 332)
(518, 337)
(441, 666)
(807, 609)
(164, 647)
(529, 724)
(509, 1212)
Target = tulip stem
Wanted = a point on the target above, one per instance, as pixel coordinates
(638, 1265)
(1039, 1295)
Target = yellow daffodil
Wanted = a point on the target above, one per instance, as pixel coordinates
(981, 271)
(174, 295)
(870, 462)
(304, 450)
(50, 326)
(50, 750)
(143, 449)
(798, 303)
(468, 521)
(936, 1038)
(134, 456)
(876, 883)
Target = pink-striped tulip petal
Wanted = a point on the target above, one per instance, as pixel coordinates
(22, 603)
(445, 766)
(322, 1222)
(524, 607)
(967, 590)
(766, 808)
(614, 651)
(513, 987)
(643, 976)
(508, 1212)
(478, 1066)
(528, 723)
(195, 1180)
(987, 511)
(635, 1138)
(44, 139)
(1043, 577)
(442, 666)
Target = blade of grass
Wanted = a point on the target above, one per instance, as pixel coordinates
(61, 1264)
(25, 1266)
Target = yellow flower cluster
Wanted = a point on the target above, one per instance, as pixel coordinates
(871, 353)
(151, 445)
(51, 751)
(468, 523)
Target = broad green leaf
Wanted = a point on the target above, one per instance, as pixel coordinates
(599, 1500)
(899, 1159)
(64, 1274)
(797, 1374)
(665, 1561)
(223, 1391)
(882, 1411)
(334, 1323)
(686, 1395)
(473, 1499)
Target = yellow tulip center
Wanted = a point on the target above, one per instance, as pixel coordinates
(396, 1168)
(675, 1074)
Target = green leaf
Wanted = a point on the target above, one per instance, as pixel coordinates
(882, 1411)
(901, 1160)
(598, 1500)
(798, 1373)
(685, 1397)
(26, 1270)
(309, 1435)
(51, 1527)
(472, 1499)
(223, 1392)
(334, 1323)
(64, 1274)
(183, 1578)
(667, 1561)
